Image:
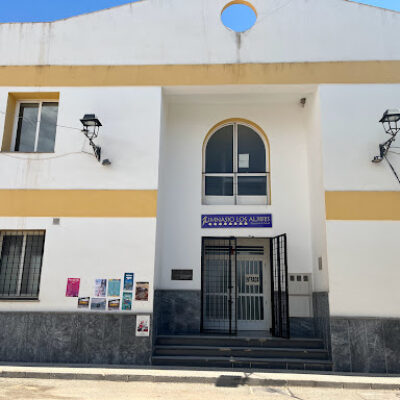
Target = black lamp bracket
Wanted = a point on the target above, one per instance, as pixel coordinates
(384, 149)
(92, 134)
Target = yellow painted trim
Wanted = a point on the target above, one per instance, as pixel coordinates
(78, 203)
(21, 96)
(9, 123)
(253, 125)
(243, 2)
(202, 74)
(358, 206)
(13, 98)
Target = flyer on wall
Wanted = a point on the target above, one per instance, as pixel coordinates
(142, 291)
(114, 287)
(83, 302)
(98, 304)
(114, 304)
(142, 325)
(128, 280)
(100, 287)
(72, 287)
(127, 301)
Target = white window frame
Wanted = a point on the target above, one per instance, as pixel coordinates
(22, 260)
(16, 120)
(236, 199)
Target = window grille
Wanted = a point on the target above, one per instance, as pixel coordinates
(20, 264)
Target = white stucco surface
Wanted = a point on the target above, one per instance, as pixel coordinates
(317, 194)
(129, 137)
(364, 271)
(191, 32)
(351, 134)
(180, 189)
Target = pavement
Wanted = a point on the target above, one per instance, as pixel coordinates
(59, 389)
(216, 377)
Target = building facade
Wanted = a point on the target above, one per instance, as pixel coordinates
(238, 187)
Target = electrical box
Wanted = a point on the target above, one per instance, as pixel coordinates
(300, 295)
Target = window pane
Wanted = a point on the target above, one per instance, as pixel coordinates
(47, 132)
(252, 185)
(251, 150)
(26, 131)
(9, 264)
(219, 186)
(219, 151)
(32, 265)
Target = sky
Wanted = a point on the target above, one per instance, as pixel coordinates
(50, 10)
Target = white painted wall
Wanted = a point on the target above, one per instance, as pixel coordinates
(88, 248)
(179, 215)
(317, 194)
(363, 256)
(351, 135)
(129, 138)
(191, 32)
(364, 271)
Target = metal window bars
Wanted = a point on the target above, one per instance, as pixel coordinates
(21, 263)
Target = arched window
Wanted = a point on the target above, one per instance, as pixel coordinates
(236, 165)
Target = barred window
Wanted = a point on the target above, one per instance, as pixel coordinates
(21, 264)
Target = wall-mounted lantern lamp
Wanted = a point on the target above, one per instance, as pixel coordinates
(91, 126)
(391, 124)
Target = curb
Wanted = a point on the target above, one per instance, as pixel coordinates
(218, 379)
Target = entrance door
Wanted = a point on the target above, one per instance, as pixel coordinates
(253, 285)
(236, 285)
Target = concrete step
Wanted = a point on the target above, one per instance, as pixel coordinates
(252, 352)
(244, 362)
(238, 341)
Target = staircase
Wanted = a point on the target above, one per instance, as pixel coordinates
(241, 352)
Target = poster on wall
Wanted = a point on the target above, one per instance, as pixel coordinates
(98, 304)
(142, 325)
(83, 302)
(127, 301)
(100, 287)
(72, 287)
(128, 280)
(114, 287)
(142, 291)
(114, 304)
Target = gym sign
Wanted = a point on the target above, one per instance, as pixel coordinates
(236, 221)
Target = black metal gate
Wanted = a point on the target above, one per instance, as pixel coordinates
(220, 286)
(219, 289)
(279, 290)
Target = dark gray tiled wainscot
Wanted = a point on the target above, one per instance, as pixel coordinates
(84, 338)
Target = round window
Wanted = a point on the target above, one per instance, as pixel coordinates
(239, 15)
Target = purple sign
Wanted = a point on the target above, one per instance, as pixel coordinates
(236, 221)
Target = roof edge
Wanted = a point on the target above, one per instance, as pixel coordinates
(372, 6)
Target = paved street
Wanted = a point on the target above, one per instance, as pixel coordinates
(47, 389)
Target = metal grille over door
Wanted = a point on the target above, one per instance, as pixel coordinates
(219, 285)
(279, 278)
